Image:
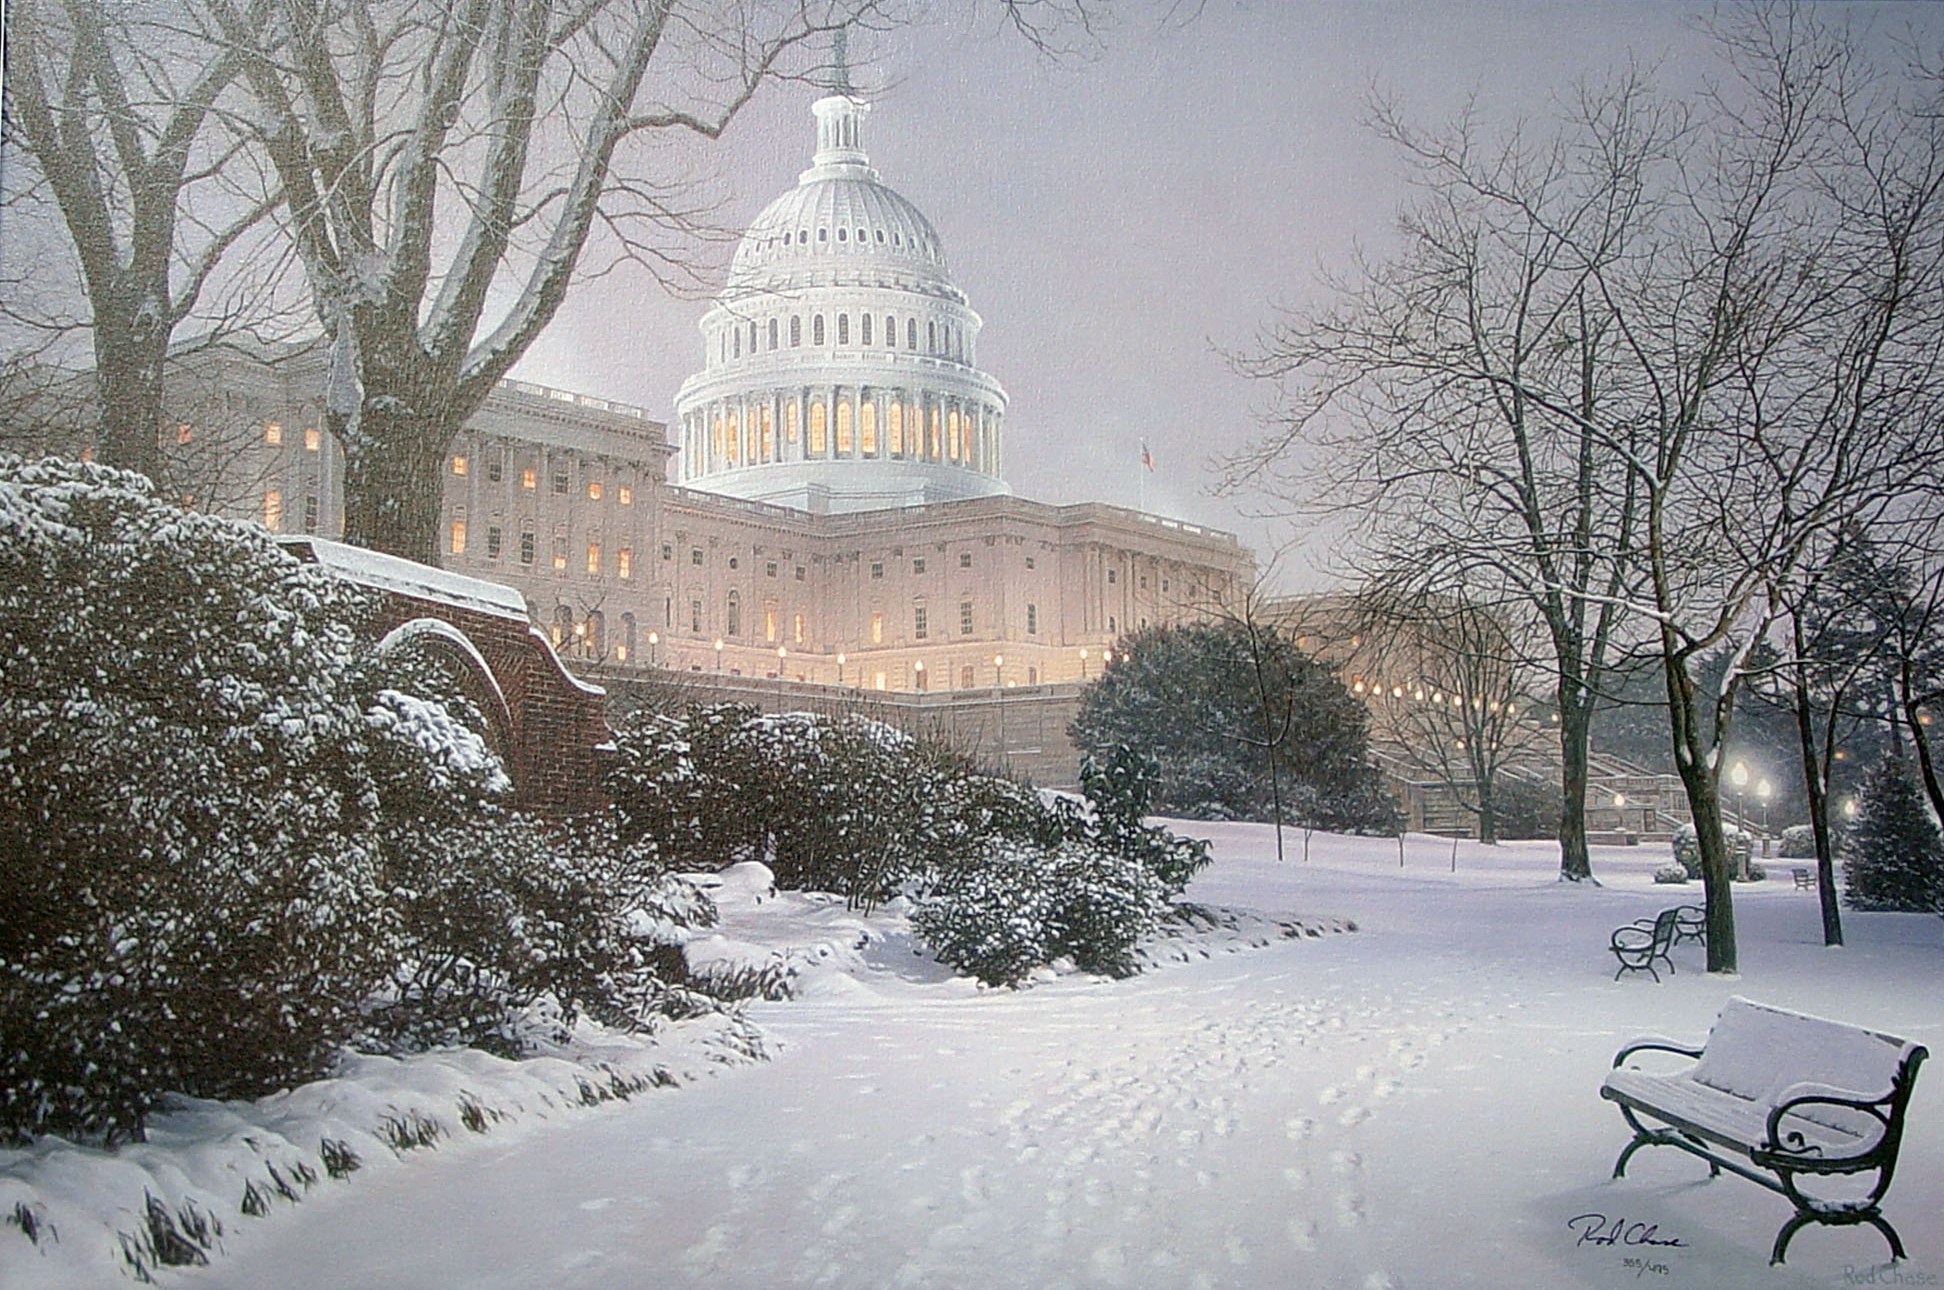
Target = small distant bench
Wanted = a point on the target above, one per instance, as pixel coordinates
(1804, 878)
(1641, 944)
(1792, 1094)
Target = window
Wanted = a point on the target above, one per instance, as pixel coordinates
(796, 629)
(560, 480)
(911, 333)
(625, 648)
(895, 420)
(495, 467)
(918, 676)
(966, 679)
(273, 434)
(312, 439)
(593, 490)
(843, 329)
(695, 555)
(563, 625)
(965, 559)
(734, 562)
(1032, 676)
(1113, 576)
(843, 427)
(877, 680)
(560, 553)
(769, 568)
(733, 615)
(1144, 582)
(918, 631)
(593, 641)
(459, 465)
(918, 565)
(625, 496)
(965, 618)
(457, 537)
(772, 333)
(796, 331)
(799, 573)
(877, 568)
(494, 539)
(738, 342)
(668, 550)
(817, 330)
(624, 563)
(695, 616)
(1032, 620)
(1113, 628)
(769, 624)
(867, 442)
(593, 557)
(1029, 562)
(790, 420)
(528, 479)
(310, 513)
(864, 336)
(273, 510)
(526, 546)
(877, 628)
(817, 424)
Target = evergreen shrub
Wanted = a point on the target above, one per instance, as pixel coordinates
(1893, 858)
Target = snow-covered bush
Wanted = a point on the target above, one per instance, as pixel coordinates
(1120, 789)
(1893, 857)
(1798, 842)
(1671, 873)
(1687, 849)
(195, 897)
(1016, 907)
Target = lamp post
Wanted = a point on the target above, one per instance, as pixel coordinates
(1620, 809)
(1739, 774)
(1763, 790)
(840, 667)
(918, 669)
(718, 650)
(1083, 662)
(782, 652)
(998, 666)
(654, 639)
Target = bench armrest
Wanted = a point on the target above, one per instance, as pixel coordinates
(1808, 1093)
(1653, 1045)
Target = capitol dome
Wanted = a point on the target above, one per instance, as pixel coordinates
(840, 370)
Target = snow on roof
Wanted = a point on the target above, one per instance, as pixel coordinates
(409, 578)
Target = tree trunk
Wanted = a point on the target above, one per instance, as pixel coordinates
(394, 462)
(128, 378)
(1913, 710)
(1695, 755)
(1817, 788)
(1575, 725)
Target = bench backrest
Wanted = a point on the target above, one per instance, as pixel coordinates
(1755, 1051)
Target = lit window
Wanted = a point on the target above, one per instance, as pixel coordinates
(817, 437)
(273, 434)
(624, 563)
(185, 432)
(312, 439)
(867, 427)
(790, 420)
(593, 490)
(896, 420)
(626, 496)
(593, 557)
(529, 480)
(457, 543)
(843, 428)
(769, 625)
(458, 465)
(273, 511)
(560, 554)
(796, 628)
(877, 629)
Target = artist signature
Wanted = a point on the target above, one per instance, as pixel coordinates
(1598, 1229)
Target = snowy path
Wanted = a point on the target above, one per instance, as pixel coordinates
(1411, 1105)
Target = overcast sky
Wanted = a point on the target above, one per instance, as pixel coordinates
(1119, 221)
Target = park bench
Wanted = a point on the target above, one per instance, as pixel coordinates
(1791, 1095)
(1640, 944)
(1804, 879)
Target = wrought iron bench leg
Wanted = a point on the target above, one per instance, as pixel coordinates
(1804, 1218)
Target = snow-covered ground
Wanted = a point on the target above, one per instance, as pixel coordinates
(1412, 1104)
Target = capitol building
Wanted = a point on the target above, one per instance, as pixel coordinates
(827, 504)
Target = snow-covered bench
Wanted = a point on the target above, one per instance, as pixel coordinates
(1793, 1094)
(1642, 943)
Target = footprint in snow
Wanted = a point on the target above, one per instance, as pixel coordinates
(1345, 1162)
(1386, 1087)
(1350, 1209)
(1302, 1234)
(1299, 1127)
(1354, 1116)
(1295, 1177)
(1331, 1093)
(1411, 1061)
(1381, 1280)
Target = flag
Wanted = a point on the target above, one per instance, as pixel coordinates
(1147, 458)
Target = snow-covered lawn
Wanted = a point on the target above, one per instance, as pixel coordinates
(1412, 1104)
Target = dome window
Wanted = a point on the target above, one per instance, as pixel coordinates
(843, 235)
(803, 237)
(865, 323)
(796, 331)
(737, 353)
(843, 326)
(863, 235)
(817, 330)
(890, 331)
(823, 235)
(880, 234)
(911, 333)
(772, 333)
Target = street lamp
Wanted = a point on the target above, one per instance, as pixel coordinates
(654, 639)
(1083, 662)
(718, 649)
(1620, 809)
(1763, 790)
(918, 669)
(840, 667)
(781, 654)
(998, 664)
(1739, 774)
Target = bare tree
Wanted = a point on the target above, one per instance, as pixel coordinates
(117, 108)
